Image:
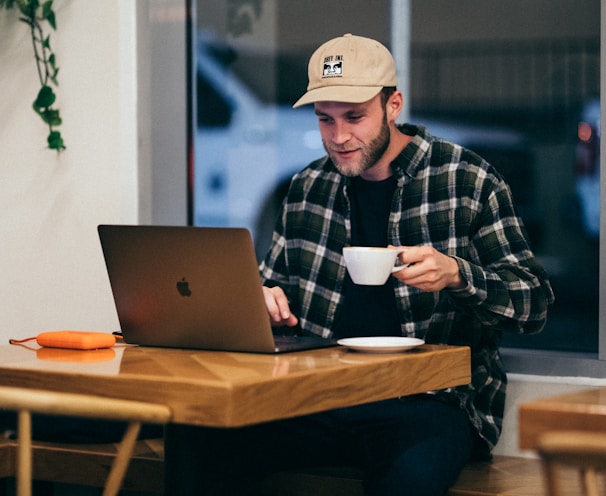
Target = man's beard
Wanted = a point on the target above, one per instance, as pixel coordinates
(371, 154)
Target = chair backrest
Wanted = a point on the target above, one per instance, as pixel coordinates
(583, 451)
(27, 401)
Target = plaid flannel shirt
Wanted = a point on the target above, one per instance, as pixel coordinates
(449, 198)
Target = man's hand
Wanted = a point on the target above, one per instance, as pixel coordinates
(429, 270)
(278, 307)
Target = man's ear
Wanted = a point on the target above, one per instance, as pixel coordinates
(394, 106)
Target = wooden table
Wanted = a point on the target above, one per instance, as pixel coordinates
(222, 389)
(582, 410)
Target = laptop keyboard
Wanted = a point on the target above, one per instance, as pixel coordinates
(293, 342)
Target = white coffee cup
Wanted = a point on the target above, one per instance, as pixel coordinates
(371, 266)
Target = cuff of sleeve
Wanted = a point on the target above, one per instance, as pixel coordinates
(471, 293)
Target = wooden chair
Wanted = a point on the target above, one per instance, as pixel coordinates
(583, 451)
(28, 401)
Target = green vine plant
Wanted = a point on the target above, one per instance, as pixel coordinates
(34, 13)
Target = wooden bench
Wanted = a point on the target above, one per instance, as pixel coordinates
(87, 465)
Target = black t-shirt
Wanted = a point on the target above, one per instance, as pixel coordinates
(369, 310)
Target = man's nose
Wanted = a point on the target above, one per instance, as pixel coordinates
(341, 132)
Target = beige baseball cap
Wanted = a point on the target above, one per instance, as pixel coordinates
(350, 69)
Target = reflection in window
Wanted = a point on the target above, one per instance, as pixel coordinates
(546, 92)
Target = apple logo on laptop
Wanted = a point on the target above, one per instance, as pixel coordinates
(183, 287)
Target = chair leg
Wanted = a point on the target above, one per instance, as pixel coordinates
(120, 465)
(590, 482)
(24, 453)
(551, 478)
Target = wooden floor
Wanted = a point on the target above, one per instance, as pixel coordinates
(513, 476)
(504, 476)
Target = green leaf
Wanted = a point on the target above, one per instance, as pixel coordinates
(49, 14)
(47, 8)
(53, 76)
(26, 20)
(46, 97)
(46, 42)
(32, 4)
(28, 8)
(52, 21)
(52, 117)
(55, 141)
(49, 116)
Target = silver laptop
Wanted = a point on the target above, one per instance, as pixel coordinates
(192, 287)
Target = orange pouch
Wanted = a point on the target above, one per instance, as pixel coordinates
(76, 340)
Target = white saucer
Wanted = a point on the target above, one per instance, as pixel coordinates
(381, 344)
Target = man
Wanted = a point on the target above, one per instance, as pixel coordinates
(471, 273)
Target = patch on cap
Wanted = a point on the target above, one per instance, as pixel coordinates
(333, 66)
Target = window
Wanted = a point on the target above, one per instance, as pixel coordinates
(517, 82)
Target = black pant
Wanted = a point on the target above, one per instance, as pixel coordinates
(412, 446)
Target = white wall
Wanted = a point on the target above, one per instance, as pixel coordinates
(123, 110)
(52, 274)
